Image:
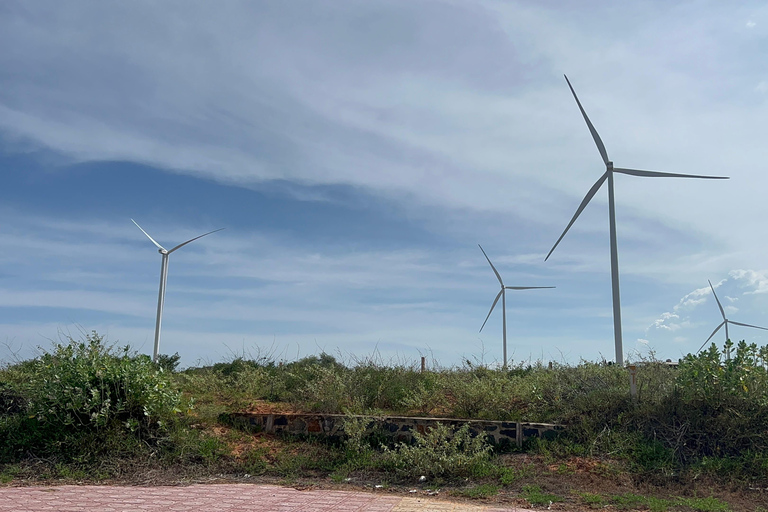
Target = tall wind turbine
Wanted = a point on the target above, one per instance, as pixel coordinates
(608, 175)
(725, 321)
(503, 294)
(163, 278)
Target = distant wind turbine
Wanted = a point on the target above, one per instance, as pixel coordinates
(608, 175)
(725, 321)
(503, 294)
(163, 278)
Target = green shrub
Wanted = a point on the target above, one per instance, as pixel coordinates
(479, 393)
(11, 400)
(439, 452)
(717, 408)
(80, 394)
(425, 395)
(168, 363)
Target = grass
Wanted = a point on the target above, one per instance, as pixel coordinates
(536, 496)
(655, 504)
(135, 418)
(631, 501)
(592, 500)
(708, 504)
(508, 476)
(477, 491)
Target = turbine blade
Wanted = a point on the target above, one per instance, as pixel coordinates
(747, 325)
(491, 311)
(659, 174)
(491, 264)
(710, 336)
(595, 136)
(722, 311)
(153, 240)
(193, 239)
(527, 287)
(581, 207)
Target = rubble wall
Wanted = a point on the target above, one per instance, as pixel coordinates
(399, 428)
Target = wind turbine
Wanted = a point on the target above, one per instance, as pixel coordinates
(608, 175)
(503, 294)
(725, 321)
(163, 278)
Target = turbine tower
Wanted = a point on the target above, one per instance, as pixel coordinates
(608, 176)
(725, 321)
(503, 294)
(163, 278)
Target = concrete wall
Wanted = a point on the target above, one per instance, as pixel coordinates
(399, 428)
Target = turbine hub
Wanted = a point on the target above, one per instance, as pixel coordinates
(609, 165)
(162, 251)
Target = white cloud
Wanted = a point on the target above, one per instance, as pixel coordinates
(693, 299)
(667, 321)
(757, 279)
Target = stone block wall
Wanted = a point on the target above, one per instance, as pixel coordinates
(399, 428)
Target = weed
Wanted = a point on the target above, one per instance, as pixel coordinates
(8, 473)
(253, 462)
(339, 475)
(592, 500)
(478, 491)
(708, 504)
(631, 501)
(70, 472)
(299, 459)
(509, 475)
(536, 496)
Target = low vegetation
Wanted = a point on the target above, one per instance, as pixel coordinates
(88, 410)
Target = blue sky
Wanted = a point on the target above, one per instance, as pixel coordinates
(357, 153)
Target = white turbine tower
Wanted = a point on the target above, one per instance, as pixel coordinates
(163, 278)
(608, 175)
(725, 321)
(503, 294)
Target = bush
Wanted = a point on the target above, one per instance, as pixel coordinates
(719, 406)
(479, 393)
(168, 363)
(439, 452)
(79, 395)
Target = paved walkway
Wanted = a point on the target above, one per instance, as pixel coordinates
(216, 498)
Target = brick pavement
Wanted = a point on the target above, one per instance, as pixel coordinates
(216, 498)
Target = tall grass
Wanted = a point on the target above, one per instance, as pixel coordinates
(84, 399)
(709, 413)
